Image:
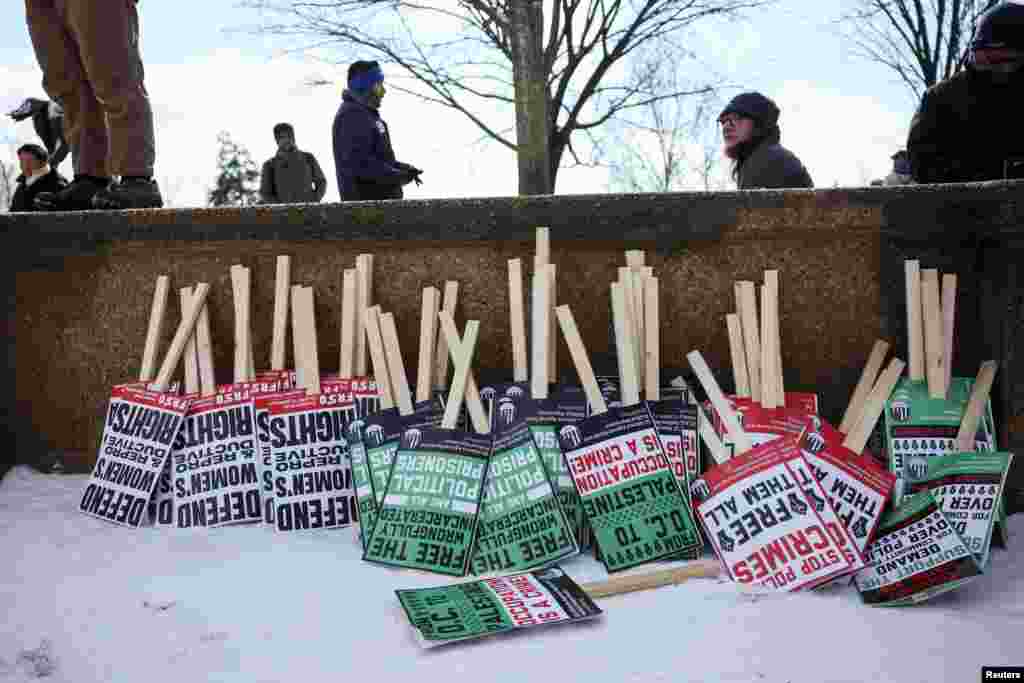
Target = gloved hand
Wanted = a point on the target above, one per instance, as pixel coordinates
(412, 171)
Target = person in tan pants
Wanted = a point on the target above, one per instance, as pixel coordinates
(88, 51)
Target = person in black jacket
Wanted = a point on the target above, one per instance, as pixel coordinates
(363, 158)
(36, 176)
(750, 129)
(964, 129)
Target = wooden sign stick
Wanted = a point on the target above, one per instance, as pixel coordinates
(155, 328)
(719, 453)
(282, 283)
(299, 354)
(740, 439)
(304, 329)
(697, 569)
(451, 299)
(769, 393)
(864, 384)
(915, 328)
(976, 406)
(431, 304)
(771, 279)
(746, 301)
(453, 345)
(581, 360)
(542, 248)
(652, 345)
(381, 375)
(931, 311)
(629, 390)
(364, 297)
(631, 327)
(948, 323)
(184, 331)
(241, 366)
(738, 355)
(396, 367)
(540, 310)
(463, 361)
(204, 352)
(858, 436)
(347, 355)
(639, 320)
(552, 330)
(250, 358)
(191, 359)
(517, 318)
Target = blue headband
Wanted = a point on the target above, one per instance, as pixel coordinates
(367, 79)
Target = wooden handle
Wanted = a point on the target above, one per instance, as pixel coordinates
(430, 305)
(719, 453)
(453, 345)
(631, 314)
(185, 329)
(915, 327)
(381, 374)
(304, 330)
(204, 352)
(282, 284)
(864, 384)
(451, 299)
(540, 312)
(931, 311)
(517, 319)
(635, 258)
(652, 340)
(347, 355)
(771, 280)
(240, 287)
(399, 381)
(157, 311)
(364, 296)
(738, 355)
(667, 577)
(542, 248)
(859, 434)
(740, 438)
(769, 392)
(552, 325)
(463, 362)
(976, 406)
(746, 301)
(948, 323)
(581, 360)
(190, 355)
(624, 338)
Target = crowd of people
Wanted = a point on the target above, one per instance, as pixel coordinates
(99, 109)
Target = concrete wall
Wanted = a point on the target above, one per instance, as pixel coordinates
(82, 283)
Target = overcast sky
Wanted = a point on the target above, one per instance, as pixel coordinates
(843, 117)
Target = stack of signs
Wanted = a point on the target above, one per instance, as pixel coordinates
(261, 413)
(916, 556)
(448, 614)
(428, 516)
(967, 488)
(767, 520)
(676, 423)
(855, 485)
(766, 424)
(379, 435)
(919, 428)
(138, 436)
(312, 487)
(522, 524)
(632, 500)
(214, 463)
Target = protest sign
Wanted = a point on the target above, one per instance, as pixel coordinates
(382, 434)
(463, 611)
(138, 435)
(521, 524)
(765, 528)
(916, 556)
(265, 462)
(214, 463)
(967, 488)
(312, 478)
(428, 516)
(676, 422)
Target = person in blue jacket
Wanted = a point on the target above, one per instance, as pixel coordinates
(363, 158)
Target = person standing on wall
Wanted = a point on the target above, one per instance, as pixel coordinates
(36, 176)
(964, 129)
(750, 129)
(291, 176)
(363, 158)
(88, 51)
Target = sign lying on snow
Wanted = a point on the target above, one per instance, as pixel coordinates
(448, 614)
(631, 498)
(138, 435)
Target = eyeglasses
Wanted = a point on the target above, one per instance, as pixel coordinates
(729, 120)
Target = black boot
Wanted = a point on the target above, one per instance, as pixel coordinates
(132, 192)
(77, 196)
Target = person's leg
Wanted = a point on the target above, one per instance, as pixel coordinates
(65, 82)
(107, 34)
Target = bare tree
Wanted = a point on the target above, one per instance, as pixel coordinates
(8, 174)
(921, 41)
(461, 54)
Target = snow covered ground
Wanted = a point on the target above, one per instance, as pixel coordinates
(88, 601)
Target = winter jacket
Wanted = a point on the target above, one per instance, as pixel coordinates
(363, 158)
(772, 166)
(24, 196)
(292, 178)
(966, 129)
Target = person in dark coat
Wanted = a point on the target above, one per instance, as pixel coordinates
(291, 176)
(964, 129)
(363, 158)
(750, 128)
(36, 176)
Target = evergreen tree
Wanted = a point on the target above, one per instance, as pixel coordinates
(237, 176)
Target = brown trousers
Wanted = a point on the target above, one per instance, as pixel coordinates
(89, 53)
